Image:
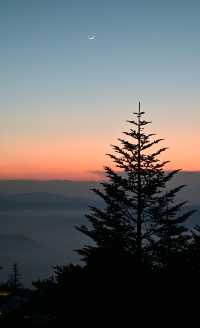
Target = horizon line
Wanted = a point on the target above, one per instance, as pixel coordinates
(74, 180)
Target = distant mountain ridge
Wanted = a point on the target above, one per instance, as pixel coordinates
(41, 200)
(62, 187)
(65, 194)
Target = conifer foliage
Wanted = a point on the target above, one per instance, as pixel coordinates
(140, 222)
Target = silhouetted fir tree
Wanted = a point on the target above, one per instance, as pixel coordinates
(67, 274)
(139, 224)
(15, 277)
(172, 238)
(193, 252)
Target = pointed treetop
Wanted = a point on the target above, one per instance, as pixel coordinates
(139, 113)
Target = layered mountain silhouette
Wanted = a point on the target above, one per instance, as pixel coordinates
(41, 200)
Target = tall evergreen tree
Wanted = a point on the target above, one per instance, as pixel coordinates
(171, 239)
(193, 251)
(140, 219)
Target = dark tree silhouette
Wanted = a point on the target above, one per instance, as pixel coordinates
(172, 238)
(140, 222)
(192, 254)
(15, 277)
(66, 274)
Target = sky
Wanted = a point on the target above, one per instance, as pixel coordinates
(65, 98)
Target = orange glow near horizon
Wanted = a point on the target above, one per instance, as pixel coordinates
(83, 159)
(61, 168)
(75, 160)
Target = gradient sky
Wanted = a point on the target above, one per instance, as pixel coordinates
(64, 99)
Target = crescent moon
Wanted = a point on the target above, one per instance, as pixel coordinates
(91, 37)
